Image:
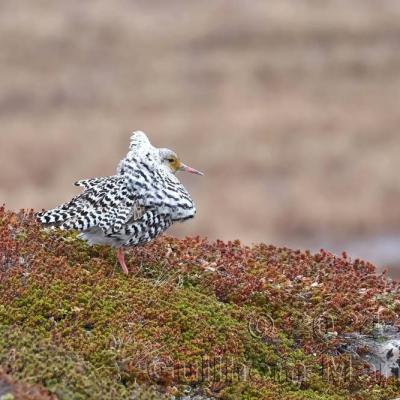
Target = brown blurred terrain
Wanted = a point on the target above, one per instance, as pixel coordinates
(291, 108)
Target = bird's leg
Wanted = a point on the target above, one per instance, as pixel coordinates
(121, 260)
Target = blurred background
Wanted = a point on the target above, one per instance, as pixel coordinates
(291, 108)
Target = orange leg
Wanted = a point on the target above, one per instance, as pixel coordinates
(121, 260)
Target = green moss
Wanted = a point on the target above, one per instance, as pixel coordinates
(63, 373)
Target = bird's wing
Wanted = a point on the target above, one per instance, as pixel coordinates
(92, 182)
(105, 203)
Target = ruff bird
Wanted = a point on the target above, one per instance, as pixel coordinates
(132, 207)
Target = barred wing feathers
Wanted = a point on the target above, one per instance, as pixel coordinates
(105, 203)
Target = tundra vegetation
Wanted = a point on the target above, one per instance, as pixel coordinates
(194, 318)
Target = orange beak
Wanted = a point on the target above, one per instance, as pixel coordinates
(184, 167)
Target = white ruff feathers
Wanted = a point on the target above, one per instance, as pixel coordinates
(130, 208)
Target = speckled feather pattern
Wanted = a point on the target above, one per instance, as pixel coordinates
(130, 208)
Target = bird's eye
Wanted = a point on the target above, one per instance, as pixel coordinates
(171, 160)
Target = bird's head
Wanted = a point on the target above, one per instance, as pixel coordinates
(172, 163)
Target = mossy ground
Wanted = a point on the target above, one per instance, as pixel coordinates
(222, 319)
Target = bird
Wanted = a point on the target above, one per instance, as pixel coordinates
(131, 208)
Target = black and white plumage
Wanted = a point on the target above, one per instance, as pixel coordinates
(130, 208)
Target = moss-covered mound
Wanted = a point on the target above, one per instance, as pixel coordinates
(194, 318)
